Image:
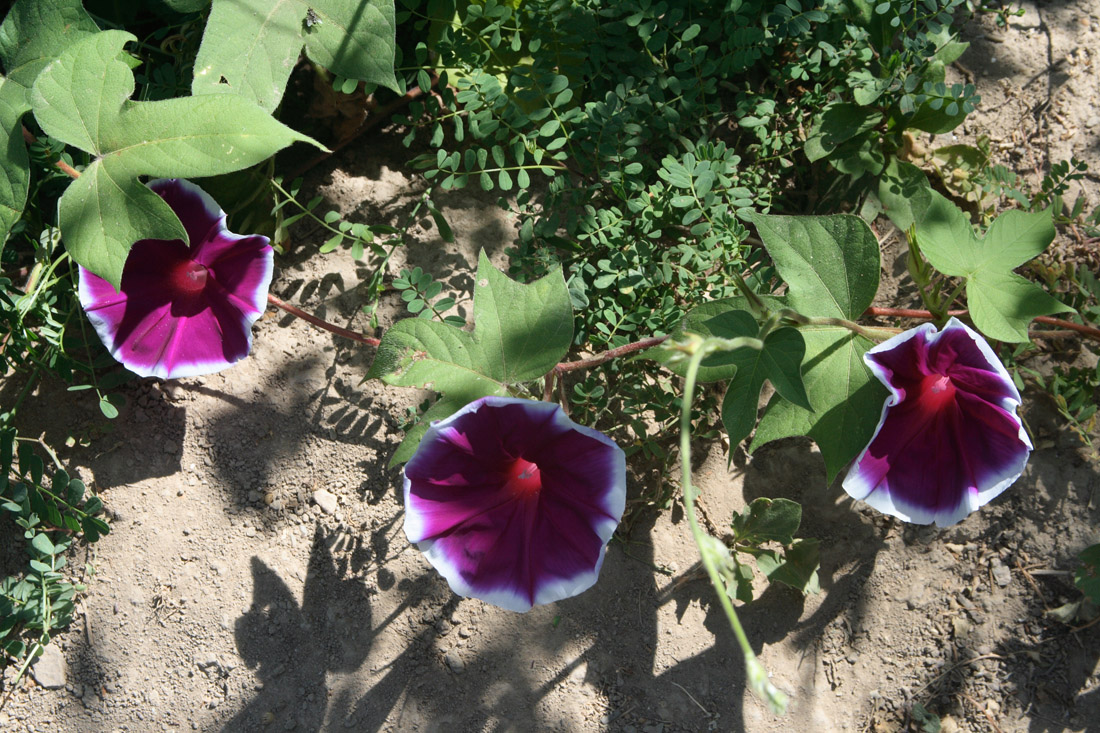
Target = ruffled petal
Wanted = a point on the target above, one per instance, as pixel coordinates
(183, 310)
(491, 541)
(938, 455)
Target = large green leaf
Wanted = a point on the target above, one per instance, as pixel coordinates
(846, 397)
(249, 47)
(831, 265)
(1001, 302)
(15, 174)
(37, 31)
(83, 99)
(33, 33)
(521, 331)
(779, 362)
(838, 123)
(904, 192)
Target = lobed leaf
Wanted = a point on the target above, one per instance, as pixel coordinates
(250, 47)
(1001, 302)
(83, 99)
(521, 331)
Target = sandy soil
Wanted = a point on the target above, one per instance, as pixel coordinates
(257, 579)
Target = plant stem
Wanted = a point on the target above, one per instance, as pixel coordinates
(321, 323)
(592, 361)
(1089, 331)
(757, 678)
(871, 334)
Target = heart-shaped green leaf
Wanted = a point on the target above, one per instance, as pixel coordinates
(831, 264)
(15, 176)
(767, 520)
(83, 99)
(249, 47)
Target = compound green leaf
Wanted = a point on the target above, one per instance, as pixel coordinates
(249, 47)
(15, 174)
(831, 264)
(521, 331)
(37, 31)
(1001, 302)
(83, 99)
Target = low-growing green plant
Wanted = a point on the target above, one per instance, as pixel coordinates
(683, 180)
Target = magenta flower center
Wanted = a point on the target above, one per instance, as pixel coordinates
(523, 479)
(935, 392)
(189, 277)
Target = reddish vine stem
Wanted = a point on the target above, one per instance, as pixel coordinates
(572, 366)
(321, 323)
(1065, 328)
(1093, 333)
(30, 139)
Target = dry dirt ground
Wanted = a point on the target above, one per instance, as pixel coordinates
(256, 577)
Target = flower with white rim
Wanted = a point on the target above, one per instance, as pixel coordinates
(513, 502)
(183, 309)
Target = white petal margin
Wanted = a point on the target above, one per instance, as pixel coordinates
(548, 592)
(878, 496)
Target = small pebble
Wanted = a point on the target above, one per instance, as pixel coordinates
(325, 500)
(454, 662)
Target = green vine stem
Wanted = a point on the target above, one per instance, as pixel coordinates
(711, 550)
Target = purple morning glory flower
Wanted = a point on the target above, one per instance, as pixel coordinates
(513, 502)
(949, 439)
(183, 310)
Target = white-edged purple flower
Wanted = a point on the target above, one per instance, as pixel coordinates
(513, 502)
(183, 310)
(949, 439)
